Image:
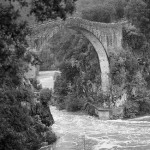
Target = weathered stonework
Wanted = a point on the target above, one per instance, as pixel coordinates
(103, 36)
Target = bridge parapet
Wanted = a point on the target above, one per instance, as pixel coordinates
(110, 34)
(75, 21)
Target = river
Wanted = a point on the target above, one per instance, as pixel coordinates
(78, 131)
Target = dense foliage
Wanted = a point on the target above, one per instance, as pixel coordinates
(129, 69)
(80, 79)
(45, 95)
(108, 11)
(20, 127)
(46, 9)
(36, 84)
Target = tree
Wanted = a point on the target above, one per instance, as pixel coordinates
(99, 13)
(13, 47)
(125, 69)
(51, 9)
(108, 11)
(80, 73)
(18, 128)
(137, 12)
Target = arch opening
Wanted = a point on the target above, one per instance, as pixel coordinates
(102, 57)
(101, 52)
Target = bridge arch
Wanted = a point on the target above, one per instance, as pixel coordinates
(102, 58)
(101, 35)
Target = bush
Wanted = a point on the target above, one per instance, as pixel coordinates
(16, 124)
(50, 136)
(35, 83)
(131, 109)
(72, 103)
(60, 102)
(60, 86)
(45, 95)
(144, 107)
(90, 109)
(117, 113)
(137, 105)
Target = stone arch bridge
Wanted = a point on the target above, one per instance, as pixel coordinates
(103, 36)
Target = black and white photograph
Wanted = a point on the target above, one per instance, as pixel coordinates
(74, 74)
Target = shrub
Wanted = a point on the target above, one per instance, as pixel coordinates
(45, 95)
(144, 107)
(46, 134)
(117, 113)
(72, 103)
(50, 136)
(131, 109)
(90, 109)
(35, 83)
(60, 103)
(60, 86)
(16, 124)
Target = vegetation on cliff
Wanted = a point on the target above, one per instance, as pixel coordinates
(19, 128)
(129, 67)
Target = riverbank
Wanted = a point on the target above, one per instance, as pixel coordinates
(79, 131)
(141, 118)
(75, 130)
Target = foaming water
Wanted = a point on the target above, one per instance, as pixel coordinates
(83, 132)
(77, 131)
